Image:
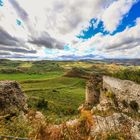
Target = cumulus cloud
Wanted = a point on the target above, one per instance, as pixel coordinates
(4, 53)
(20, 11)
(118, 45)
(55, 23)
(46, 40)
(7, 39)
(16, 49)
(113, 15)
(9, 44)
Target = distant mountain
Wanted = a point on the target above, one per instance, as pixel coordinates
(126, 62)
(85, 57)
(88, 58)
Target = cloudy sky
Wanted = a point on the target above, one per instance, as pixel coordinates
(69, 29)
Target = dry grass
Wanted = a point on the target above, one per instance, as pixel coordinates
(80, 130)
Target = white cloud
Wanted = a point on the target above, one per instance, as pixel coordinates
(123, 44)
(113, 15)
(61, 21)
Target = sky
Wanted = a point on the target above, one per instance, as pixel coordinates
(69, 29)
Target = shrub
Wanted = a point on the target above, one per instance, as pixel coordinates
(42, 103)
(17, 127)
(109, 94)
(128, 74)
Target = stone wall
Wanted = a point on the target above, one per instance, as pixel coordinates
(93, 90)
(124, 90)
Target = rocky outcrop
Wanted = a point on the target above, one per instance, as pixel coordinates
(126, 92)
(12, 99)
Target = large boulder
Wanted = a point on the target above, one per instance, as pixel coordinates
(12, 99)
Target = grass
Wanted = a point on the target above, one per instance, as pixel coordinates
(17, 127)
(78, 64)
(64, 95)
(25, 77)
(129, 73)
(43, 80)
(26, 65)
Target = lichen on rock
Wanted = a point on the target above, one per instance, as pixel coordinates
(93, 89)
(12, 99)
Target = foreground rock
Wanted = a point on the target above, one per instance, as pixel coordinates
(12, 99)
(118, 122)
(127, 93)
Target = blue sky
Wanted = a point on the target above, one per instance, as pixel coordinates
(1, 3)
(69, 29)
(127, 21)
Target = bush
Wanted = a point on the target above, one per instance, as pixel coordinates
(42, 103)
(109, 94)
(10, 71)
(128, 74)
(17, 127)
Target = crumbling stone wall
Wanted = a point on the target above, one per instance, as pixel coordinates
(12, 99)
(125, 90)
(93, 89)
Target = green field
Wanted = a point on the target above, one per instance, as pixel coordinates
(62, 94)
(26, 77)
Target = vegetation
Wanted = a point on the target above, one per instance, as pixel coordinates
(43, 81)
(130, 73)
(58, 97)
(64, 95)
(42, 103)
(15, 126)
(23, 77)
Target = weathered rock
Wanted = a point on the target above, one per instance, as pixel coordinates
(105, 103)
(12, 99)
(116, 122)
(93, 90)
(127, 92)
